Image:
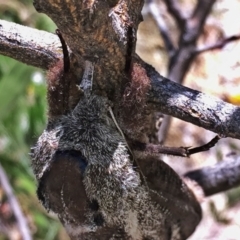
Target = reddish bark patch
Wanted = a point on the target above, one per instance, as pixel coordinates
(134, 100)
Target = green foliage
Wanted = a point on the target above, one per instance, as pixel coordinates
(22, 120)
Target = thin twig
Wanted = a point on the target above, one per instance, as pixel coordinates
(218, 45)
(203, 148)
(154, 149)
(20, 218)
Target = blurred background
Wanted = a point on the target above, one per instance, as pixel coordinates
(23, 115)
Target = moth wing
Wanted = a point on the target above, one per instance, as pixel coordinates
(62, 191)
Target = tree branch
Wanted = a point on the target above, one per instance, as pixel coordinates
(155, 12)
(28, 45)
(156, 149)
(20, 218)
(175, 11)
(165, 96)
(195, 23)
(190, 31)
(181, 60)
(193, 106)
(218, 45)
(219, 177)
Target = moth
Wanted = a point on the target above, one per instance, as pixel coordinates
(89, 176)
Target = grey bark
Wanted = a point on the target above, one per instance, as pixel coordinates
(219, 177)
(166, 96)
(28, 45)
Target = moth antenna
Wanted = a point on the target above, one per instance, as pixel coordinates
(130, 150)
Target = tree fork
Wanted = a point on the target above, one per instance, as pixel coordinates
(164, 95)
(97, 31)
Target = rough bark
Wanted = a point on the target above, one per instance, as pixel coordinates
(182, 56)
(103, 32)
(31, 46)
(193, 106)
(219, 177)
(166, 96)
